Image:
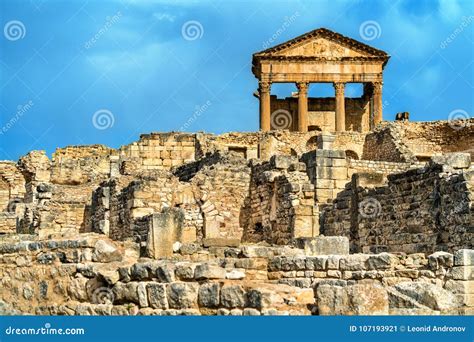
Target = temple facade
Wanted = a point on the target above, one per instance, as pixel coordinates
(320, 56)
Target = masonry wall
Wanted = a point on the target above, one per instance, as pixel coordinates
(80, 277)
(420, 210)
(281, 202)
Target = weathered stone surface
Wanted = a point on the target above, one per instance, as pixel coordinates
(325, 245)
(233, 296)
(427, 294)
(157, 297)
(164, 230)
(105, 251)
(455, 160)
(209, 271)
(182, 295)
(209, 295)
(464, 257)
(359, 299)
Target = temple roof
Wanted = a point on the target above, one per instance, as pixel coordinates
(322, 43)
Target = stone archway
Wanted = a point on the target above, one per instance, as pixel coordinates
(352, 155)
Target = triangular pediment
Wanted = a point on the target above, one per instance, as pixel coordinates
(322, 43)
(320, 47)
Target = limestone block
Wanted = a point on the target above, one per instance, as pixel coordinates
(456, 160)
(233, 296)
(235, 274)
(209, 271)
(182, 295)
(105, 251)
(209, 295)
(464, 257)
(325, 141)
(325, 245)
(165, 230)
(460, 286)
(358, 299)
(220, 242)
(157, 295)
(303, 226)
(142, 295)
(354, 262)
(427, 294)
(462, 273)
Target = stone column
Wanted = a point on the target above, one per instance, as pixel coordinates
(264, 91)
(340, 107)
(377, 102)
(302, 106)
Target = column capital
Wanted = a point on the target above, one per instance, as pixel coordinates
(377, 87)
(339, 87)
(302, 87)
(264, 86)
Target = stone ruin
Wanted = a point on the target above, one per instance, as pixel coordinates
(275, 222)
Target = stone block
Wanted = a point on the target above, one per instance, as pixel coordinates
(303, 226)
(182, 295)
(220, 242)
(106, 251)
(233, 296)
(354, 262)
(209, 271)
(209, 295)
(325, 141)
(460, 286)
(456, 160)
(157, 295)
(359, 299)
(164, 231)
(427, 294)
(324, 245)
(464, 257)
(462, 272)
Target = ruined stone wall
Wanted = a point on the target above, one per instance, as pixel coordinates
(382, 167)
(281, 202)
(92, 275)
(75, 165)
(428, 138)
(420, 210)
(211, 194)
(158, 151)
(350, 142)
(12, 185)
(386, 143)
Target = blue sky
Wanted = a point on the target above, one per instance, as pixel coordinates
(136, 65)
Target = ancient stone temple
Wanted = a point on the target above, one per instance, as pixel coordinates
(320, 56)
(360, 217)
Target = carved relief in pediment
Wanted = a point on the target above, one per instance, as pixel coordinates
(320, 48)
